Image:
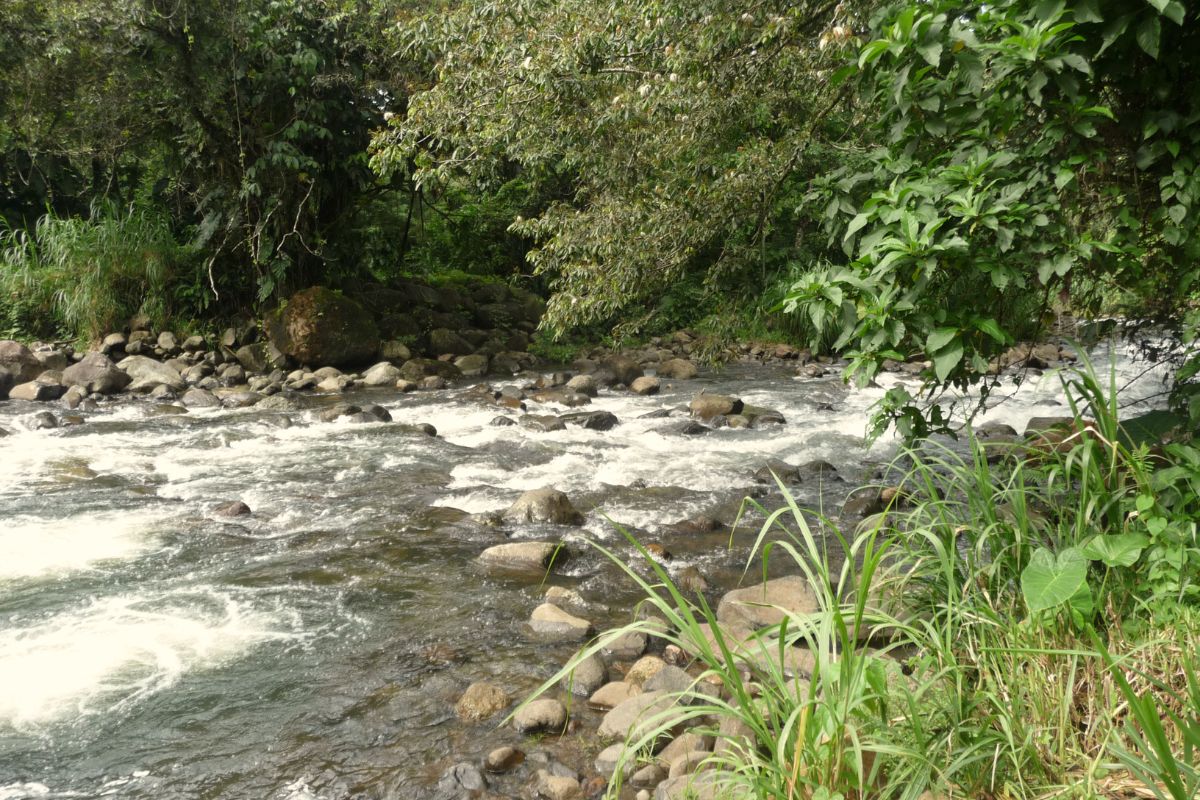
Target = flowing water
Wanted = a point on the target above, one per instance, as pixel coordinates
(314, 649)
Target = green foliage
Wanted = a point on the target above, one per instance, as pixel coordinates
(1021, 149)
(84, 278)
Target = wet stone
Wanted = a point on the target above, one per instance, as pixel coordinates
(541, 716)
(503, 759)
(480, 701)
(234, 508)
(588, 676)
(611, 695)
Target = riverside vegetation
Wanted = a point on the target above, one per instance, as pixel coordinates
(878, 186)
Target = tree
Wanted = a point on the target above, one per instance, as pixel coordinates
(688, 130)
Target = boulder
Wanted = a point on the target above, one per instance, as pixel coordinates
(443, 340)
(481, 701)
(6, 382)
(472, 366)
(234, 508)
(19, 361)
(540, 716)
(765, 604)
(706, 406)
(382, 374)
(587, 676)
(146, 373)
(535, 556)
(36, 391)
(627, 646)
(193, 344)
(544, 505)
(168, 343)
(320, 326)
(548, 621)
(395, 351)
(96, 373)
(645, 385)
(622, 368)
(42, 421)
(611, 695)
(641, 715)
(542, 423)
(547, 786)
(592, 420)
(677, 369)
(584, 384)
(417, 369)
(114, 343)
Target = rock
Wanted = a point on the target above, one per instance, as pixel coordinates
(278, 402)
(6, 382)
(606, 762)
(644, 669)
(200, 398)
(193, 344)
(503, 759)
(588, 676)
(461, 782)
(640, 716)
(764, 605)
(593, 420)
(442, 340)
(253, 357)
(394, 351)
(759, 417)
(649, 775)
(241, 399)
(502, 422)
(555, 787)
(540, 716)
(645, 385)
(706, 406)
(629, 645)
(688, 742)
(74, 397)
(234, 508)
(417, 369)
(775, 468)
(168, 343)
(382, 374)
(542, 423)
(113, 343)
(692, 787)
(42, 421)
(482, 700)
(96, 374)
(688, 763)
(52, 359)
(536, 556)
(623, 369)
(36, 391)
(668, 679)
(565, 598)
(563, 397)
(548, 621)
(319, 326)
(544, 505)
(692, 428)
(472, 366)
(612, 694)
(146, 373)
(584, 384)
(863, 502)
(19, 360)
(677, 369)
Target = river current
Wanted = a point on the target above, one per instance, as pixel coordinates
(314, 649)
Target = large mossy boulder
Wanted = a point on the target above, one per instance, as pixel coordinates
(321, 327)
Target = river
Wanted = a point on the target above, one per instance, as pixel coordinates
(314, 649)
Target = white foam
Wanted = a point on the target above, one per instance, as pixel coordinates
(119, 650)
(33, 547)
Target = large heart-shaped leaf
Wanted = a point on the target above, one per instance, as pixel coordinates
(1049, 581)
(1118, 550)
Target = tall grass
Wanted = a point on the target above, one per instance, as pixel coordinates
(932, 664)
(83, 278)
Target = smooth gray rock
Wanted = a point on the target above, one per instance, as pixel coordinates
(544, 505)
(146, 373)
(535, 556)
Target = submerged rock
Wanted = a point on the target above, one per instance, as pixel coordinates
(548, 621)
(481, 701)
(536, 556)
(541, 716)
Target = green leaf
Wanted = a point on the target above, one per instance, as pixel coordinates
(1088, 11)
(992, 329)
(1144, 503)
(1048, 582)
(939, 338)
(945, 360)
(931, 52)
(1117, 550)
(1148, 35)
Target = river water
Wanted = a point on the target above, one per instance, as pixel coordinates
(315, 648)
